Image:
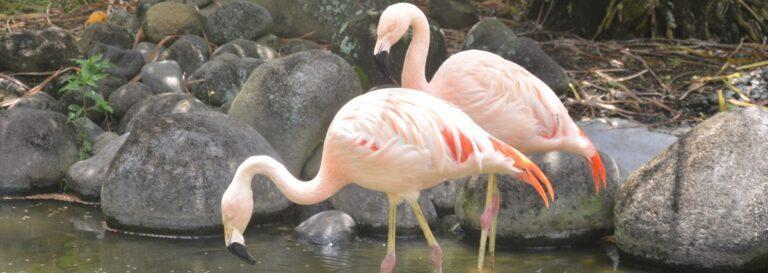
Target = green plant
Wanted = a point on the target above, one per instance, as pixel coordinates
(84, 84)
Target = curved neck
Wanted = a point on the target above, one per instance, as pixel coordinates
(320, 188)
(414, 76)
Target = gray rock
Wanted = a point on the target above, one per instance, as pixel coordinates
(754, 84)
(612, 138)
(443, 196)
(578, 215)
(701, 205)
(316, 20)
(269, 40)
(41, 101)
(355, 41)
(104, 86)
(149, 52)
(86, 177)
(297, 45)
(487, 35)
(370, 210)
(449, 224)
(239, 19)
(126, 63)
(36, 149)
(170, 174)
(291, 101)
(245, 48)
(124, 19)
(103, 140)
(86, 129)
(126, 96)
(171, 18)
(453, 13)
(380, 4)
(301, 213)
(105, 33)
(327, 228)
(152, 108)
(44, 50)
(163, 77)
(189, 51)
(312, 167)
(219, 80)
(11, 89)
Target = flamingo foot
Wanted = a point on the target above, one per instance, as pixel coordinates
(437, 258)
(388, 264)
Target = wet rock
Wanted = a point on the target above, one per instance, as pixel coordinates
(126, 63)
(239, 19)
(86, 177)
(245, 48)
(370, 210)
(493, 36)
(41, 101)
(44, 50)
(149, 52)
(291, 101)
(36, 149)
(170, 174)
(219, 80)
(152, 108)
(171, 18)
(701, 206)
(612, 138)
(126, 96)
(327, 228)
(443, 196)
(105, 33)
(163, 77)
(578, 216)
(103, 140)
(453, 13)
(317, 20)
(297, 45)
(189, 51)
(355, 41)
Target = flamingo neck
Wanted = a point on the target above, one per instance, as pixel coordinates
(320, 188)
(416, 57)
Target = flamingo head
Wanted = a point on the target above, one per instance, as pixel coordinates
(393, 25)
(236, 209)
(582, 145)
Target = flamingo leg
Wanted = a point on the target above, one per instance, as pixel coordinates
(388, 264)
(488, 223)
(437, 252)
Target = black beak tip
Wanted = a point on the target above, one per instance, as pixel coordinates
(383, 62)
(241, 252)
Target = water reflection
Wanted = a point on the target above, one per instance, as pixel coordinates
(49, 236)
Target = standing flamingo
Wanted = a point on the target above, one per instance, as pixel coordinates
(500, 96)
(395, 141)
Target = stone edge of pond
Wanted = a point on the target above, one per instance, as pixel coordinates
(758, 266)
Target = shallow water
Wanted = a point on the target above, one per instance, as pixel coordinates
(51, 236)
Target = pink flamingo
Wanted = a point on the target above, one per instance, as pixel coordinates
(502, 97)
(395, 141)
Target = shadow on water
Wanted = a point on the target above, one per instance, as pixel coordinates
(49, 236)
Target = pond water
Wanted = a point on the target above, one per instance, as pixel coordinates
(52, 236)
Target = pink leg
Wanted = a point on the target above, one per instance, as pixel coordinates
(388, 264)
(437, 257)
(490, 212)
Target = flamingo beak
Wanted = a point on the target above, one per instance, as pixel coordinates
(384, 62)
(598, 171)
(236, 244)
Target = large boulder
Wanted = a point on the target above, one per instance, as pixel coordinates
(41, 101)
(327, 228)
(239, 19)
(493, 36)
(219, 80)
(355, 41)
(170, 174)
(292, 100)
(370, 210)
(613, 136)
(316, 20)
(44, 50)
(105, 33)
(86, 177)
(36, 149)
(189, 51)
(153, 107)
(171, 18)
(578, 216)
(701, 206)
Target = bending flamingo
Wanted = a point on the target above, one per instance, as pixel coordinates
(500, 96)
(395, 141)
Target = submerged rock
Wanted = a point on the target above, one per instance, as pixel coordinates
(170, 174)
(219, 80)
(239, 19)
(701, 206)
(36, 149)
(578, 216)
(86, 177)
(327, 228)
(153, 107)
(44, 50)
(171, 18)
(292, 100)
(370, 210)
